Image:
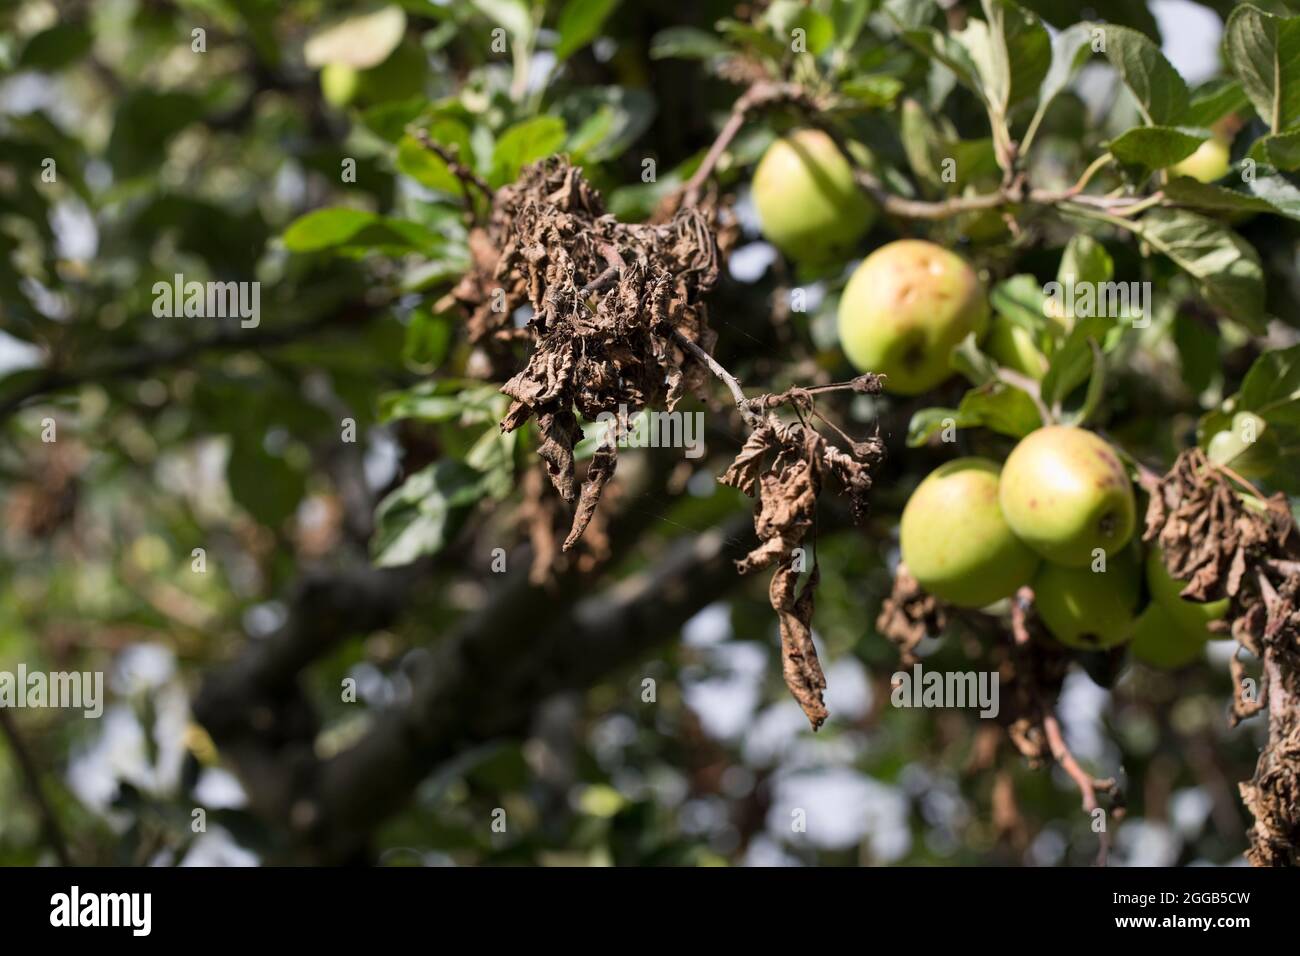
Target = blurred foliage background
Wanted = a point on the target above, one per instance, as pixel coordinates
(195, 153)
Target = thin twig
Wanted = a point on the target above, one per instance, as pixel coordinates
(1021, 601)
(32, 778)
(1148, 478)
(1088, 785)
(752, 418)
(762, 93)
(466, 175)
(923, 209)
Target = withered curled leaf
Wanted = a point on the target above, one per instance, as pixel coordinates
(608, 302)
(799, 663)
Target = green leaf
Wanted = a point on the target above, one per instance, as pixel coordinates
(1271, 388)
(524, 143)
(144, 123)
(1155, 147)
(1002, 408)
(1065, 13)
(1209, 197)
(1071, 363)
(580, 22)
(1070, 50)
(1020, 298)
(448, 400)
(1266, 191)
(686, 43)
(359, 41)
(1271, 391)
(428, 339)
(427, 167)
(1021, 54)
(1264, 51)
(325, 228)
(389, 119)
(1160, 92)
(927, 421)
(54, 48)
(910, 14)
(1281, 151)
(1197, 342)
(1213, 100)
(1077, 360)
(950, 51)
(1085, 260)
(606, 120)
(819, 31)
(266, 485)
(343, 228)
(493, 456)
(996, 405)
(967, 359)
(425, 512)
(848, 18)
(514, 15)
(1280, 192)
(927, 147)
(921, 144)
(874, 90)
(1096, 389)
(1225, 265)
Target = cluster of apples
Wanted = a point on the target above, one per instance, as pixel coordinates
(907, 304)
(1060, 513)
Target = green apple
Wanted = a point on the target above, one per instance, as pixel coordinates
(808, 205)
(1065, 493)
(1248, 446)
(1011, 346)
(904, 309)
(1087, 609)
(339, 83)
(954, 540)
(1192, 616)
(1208, 164)
(1159, 640)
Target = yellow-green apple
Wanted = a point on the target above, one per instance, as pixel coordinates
(954, 540)
(1066, 494)
(1089, 609)
(1208, 164)
(1161, 641)
(808, 205)
(904, 309)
